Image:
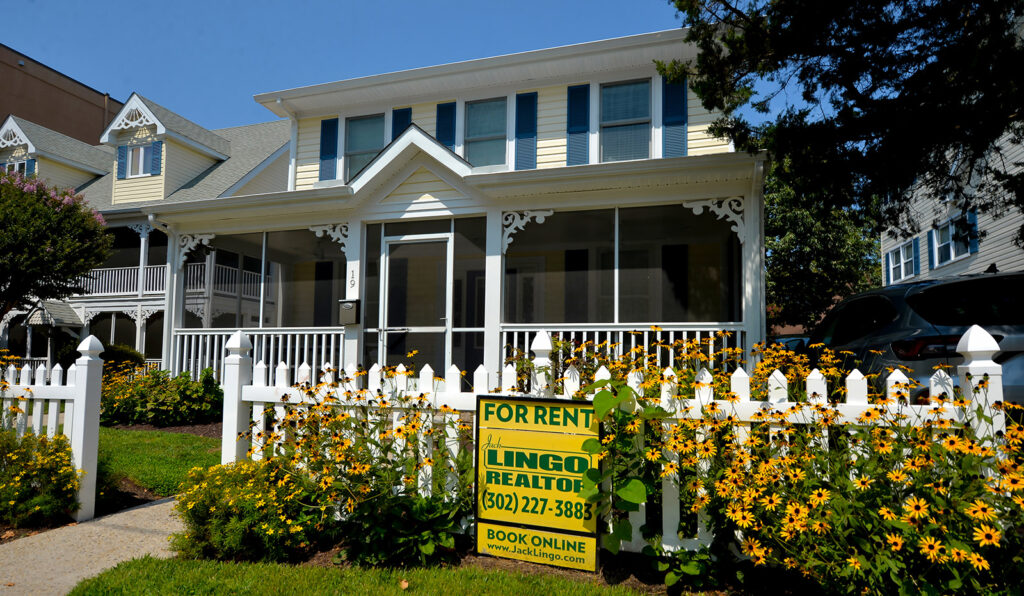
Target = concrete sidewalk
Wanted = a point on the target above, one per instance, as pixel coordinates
(54, 561)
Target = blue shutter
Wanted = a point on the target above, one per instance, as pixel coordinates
(526, 131)
(972, 232)
(156, 162)
(673, 119)
(931, 249)
(30, 168)
(917, 257)
(329, 149)
(122, 162)
(401, 119)
(446, 124)
(578, 126)
(886, 269)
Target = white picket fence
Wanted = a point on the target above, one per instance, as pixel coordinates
(245, 400)
(68, 406)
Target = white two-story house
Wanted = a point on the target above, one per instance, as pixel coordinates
(453, 211)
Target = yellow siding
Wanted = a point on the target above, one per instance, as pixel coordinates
(698, 142)
(423, 185)
(273, 178)
(552, 118)
(146, 188)
(424, 115)
(182, 164)
(61, 175)
(307, 153)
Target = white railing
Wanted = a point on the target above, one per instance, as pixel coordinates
(225, 280)
(249, 388)
(251, 284)
(617, 339)
(195, 277)
(154, 279)
(111, 281)
(197, 349)
(31, 403)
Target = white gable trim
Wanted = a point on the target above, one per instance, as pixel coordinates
(413, 138)
(11, 135)
(134, 114)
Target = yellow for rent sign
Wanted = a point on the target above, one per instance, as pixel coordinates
(530, 467)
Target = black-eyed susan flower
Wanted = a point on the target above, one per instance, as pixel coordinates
(986, 535)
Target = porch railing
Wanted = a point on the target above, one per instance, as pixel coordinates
(616, 339)
(196, 349)
(124, 281)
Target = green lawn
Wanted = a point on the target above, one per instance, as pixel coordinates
(155, 460)
(172, 576)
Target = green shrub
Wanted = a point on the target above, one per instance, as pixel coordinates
(118, 355)
(133, 395)
(247, 511)
(38, 482)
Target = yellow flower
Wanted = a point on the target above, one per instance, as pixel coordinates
(634, 426)
(819, 496)
(986, 535)
(981, 510)
(895, 541)
(931, 548)
(862, 483)
(854, 562)
(887, 514)
(916, 508)
(978, 562)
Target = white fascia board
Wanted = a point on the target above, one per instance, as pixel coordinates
(413, 138)
(438, 78)
(11, 125)
(255, 171)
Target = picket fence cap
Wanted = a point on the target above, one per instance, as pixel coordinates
(238, 343)
(977, 344)
(541, 342)
(90, 346)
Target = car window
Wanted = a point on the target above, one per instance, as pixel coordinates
(979, 301)
(854, 320)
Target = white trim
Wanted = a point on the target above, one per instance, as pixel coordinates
(255, 171)
(952, 242)
(144, 167)
(10, 125)
(120, 121)
(903, 262)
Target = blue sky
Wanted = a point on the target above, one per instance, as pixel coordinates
(205, 60)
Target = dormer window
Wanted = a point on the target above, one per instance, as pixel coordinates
(139, 160)
(16, 166)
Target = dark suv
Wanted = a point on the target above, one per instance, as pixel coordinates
(919, 324)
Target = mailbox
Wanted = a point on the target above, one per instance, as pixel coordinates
(348, 312)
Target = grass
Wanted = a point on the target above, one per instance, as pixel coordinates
(158, 461)
(173, 576)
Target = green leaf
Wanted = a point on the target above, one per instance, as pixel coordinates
(611, 543)
(691, 568)
(671, 578)
(623, 530)
(592, 446)
(592, 477)
(427, 548)
(604, 402)
(589, 493)
(654, 413)
(633, 491)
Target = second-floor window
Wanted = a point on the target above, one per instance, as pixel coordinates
(951, 242)
(486, 131)
(364, 138)
(901, 262)
(139, 160)
(626, 121)
(16, 166)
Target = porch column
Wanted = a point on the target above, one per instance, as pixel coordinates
(353, 248)
(174, 287)
(143, 231)
(492, 298)
(753, 270)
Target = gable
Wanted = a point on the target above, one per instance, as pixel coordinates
(423, 186)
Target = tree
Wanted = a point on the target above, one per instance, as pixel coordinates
(49, 238)
(814, 253)
(872, 100)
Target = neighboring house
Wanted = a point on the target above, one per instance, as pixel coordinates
(52, 99)
(951, 242)
(450, 211)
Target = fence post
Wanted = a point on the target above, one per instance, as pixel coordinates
(542, 382)
(977, 347)
(85, 423)
(237, 373)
